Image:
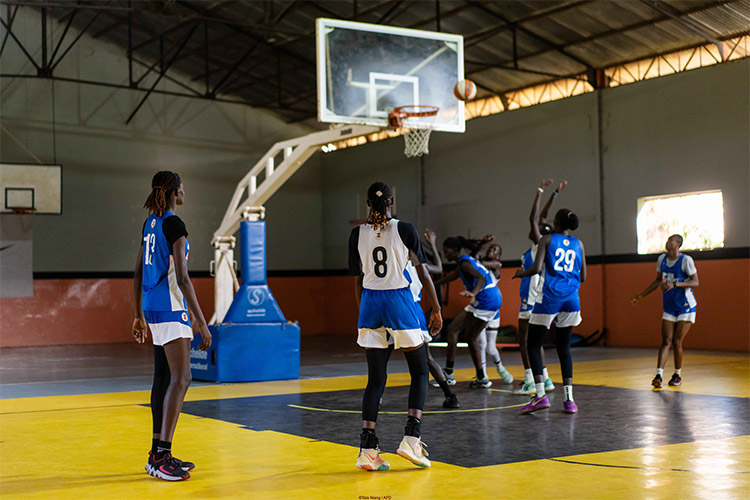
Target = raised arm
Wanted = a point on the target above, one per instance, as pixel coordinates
(436, 266)
(534, 234)
(583, 262)
(548, 205)
(186, 287)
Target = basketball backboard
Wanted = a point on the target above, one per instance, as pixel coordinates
(31, 187)
(366, 70)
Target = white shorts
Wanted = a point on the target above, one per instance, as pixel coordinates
(689, 317)
(564, 319)
(167, 326)
(524, 314)
(494, 323)
(381, 338)
(480, 313)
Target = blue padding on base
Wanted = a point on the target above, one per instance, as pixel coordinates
(254, 304)
(248, 353)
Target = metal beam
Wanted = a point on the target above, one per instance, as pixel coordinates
(18, 42)
(161, 74)
(62, 37)
(11, 18)
(675, 14)
(78, 37)
(557, 48)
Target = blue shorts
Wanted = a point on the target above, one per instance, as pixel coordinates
(387, 316)
(566, 310)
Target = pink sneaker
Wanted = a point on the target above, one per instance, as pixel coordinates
(570, 407)
(536, 404)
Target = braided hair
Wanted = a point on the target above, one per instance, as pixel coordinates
(459, 242)
(380, 197)
(566, 219)
(163, 185)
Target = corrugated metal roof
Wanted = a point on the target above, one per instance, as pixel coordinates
(264, 52)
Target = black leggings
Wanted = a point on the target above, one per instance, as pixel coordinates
(377, 365)
(159, 387)
(562, 342)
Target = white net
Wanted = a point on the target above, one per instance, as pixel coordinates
(417, 141)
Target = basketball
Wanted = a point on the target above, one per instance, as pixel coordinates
(465, 90)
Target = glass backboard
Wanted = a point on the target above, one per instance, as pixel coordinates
(366, 70)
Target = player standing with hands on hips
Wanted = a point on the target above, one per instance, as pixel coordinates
(378, 256)
(165, 299)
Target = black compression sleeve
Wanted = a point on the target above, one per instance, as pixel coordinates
(410, 237)
(173, 229)
(355, 263)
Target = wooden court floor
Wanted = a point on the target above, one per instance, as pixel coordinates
(85, 438)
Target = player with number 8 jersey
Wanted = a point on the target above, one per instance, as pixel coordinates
(390, 318)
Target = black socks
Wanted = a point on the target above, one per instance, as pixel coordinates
(413, 426)
(163, 448)
(368, 439)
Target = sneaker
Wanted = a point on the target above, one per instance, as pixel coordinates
(548, 385)
(480, 383)
(526, 389)
(168, 469)
(186, 466)
(434, 383)
(450, 379)
(413, 449)
(675, 380)
(536, 404)
(451, 402)
(370, 459)
(570, 407)
(656, 382)
(504, 374)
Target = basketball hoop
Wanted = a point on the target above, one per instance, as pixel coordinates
(417, 122)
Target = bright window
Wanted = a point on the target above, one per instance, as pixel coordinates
(697, 217)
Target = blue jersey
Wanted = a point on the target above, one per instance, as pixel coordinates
(562, 266)
(527, 260)
(677, 299)
(470, 282)
(160, 290)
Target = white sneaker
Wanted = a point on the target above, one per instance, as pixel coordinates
(412, 449)
(450, 378)
(504, 374)
(370, 459)
(528, 388)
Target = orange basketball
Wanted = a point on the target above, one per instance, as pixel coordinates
(465, 90)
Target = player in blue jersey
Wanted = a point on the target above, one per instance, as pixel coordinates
(481, 287)
(165, 299)
(531, 286)
(676, 275)
(563, 260)
(488, 337)
(378, 257)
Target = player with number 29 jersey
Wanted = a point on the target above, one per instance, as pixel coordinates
(562, 279)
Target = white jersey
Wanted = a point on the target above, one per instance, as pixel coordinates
(383, 254)
(416, 285)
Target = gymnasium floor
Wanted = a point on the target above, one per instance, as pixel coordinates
(75, 423)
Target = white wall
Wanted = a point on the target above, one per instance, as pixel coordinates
(682, 133)
(108, 165)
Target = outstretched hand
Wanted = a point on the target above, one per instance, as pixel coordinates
(430, 236)
(545, 183)
(487, 238)
(562, 186)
